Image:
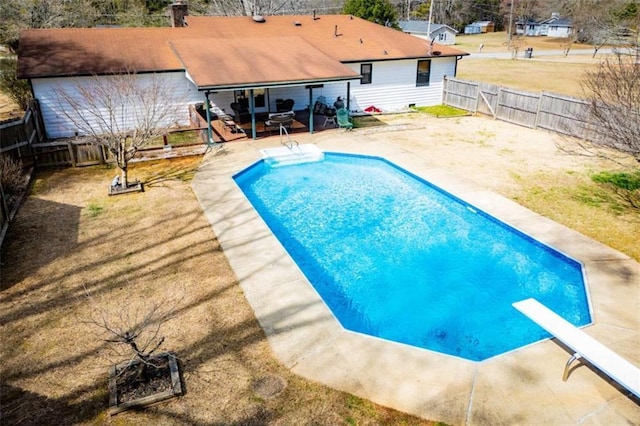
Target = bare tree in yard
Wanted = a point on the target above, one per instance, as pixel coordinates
(613, 92)
(121, 112)
(593, 21)
(271, 7)
(21, 14)
(133, 333)
(17, 90)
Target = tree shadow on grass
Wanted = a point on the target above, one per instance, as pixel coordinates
(23, 407)
(60, 227)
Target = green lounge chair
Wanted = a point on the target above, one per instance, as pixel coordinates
(343, 119)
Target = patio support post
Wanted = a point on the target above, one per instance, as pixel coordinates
(252, 108)
(310, 109)
(207, 108)
(348, 95)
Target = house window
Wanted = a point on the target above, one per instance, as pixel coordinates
(365, 71)
(424, 69)
(242, 97)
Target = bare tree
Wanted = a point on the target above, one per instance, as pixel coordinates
(21, 14)
(16, 89)
(613, 91)
(121, 112)
(132, 329)
(268, 7)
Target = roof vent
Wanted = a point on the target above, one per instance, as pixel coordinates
(297, 23)
(258, 18)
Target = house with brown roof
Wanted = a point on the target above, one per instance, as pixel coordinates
(255, 61)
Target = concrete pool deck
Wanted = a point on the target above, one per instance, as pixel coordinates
(521, 387)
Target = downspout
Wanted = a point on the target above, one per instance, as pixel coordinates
(207, 108)
(252, 108)
(310, 109)
(348, 96)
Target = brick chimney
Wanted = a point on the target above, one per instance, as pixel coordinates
(177, 13)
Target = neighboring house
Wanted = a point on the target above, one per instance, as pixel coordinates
(258, 61)
(529, 28)
(480, 27)
(559, 28)
(551, 27)
(439, 33)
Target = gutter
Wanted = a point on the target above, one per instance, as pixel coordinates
(264, 85)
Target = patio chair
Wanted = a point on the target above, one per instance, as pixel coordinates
(241, 113)
(343, 119)
(330, 117)
(287, 105)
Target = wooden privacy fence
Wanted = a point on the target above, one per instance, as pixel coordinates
(25, 140)
(75, 153)
(18, 136)
(561, 114)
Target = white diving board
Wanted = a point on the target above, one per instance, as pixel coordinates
(584, 346)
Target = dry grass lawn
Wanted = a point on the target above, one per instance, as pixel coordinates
(556, 74)
(128, 251)
(8, 108)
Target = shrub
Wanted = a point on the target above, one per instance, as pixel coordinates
(626, 186)
(17, 90)
(11, 174)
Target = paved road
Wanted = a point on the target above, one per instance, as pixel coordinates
(538, 53)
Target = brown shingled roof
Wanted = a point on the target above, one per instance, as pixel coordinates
(87, 51)
(257, 62)
(357, 39)
(223, 51)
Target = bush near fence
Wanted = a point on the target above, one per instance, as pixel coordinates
(549, 111)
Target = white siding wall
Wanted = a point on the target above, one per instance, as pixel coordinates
(58, 125)
(394, 87)
(299, 94)
(329, 91)
(445, 36)
(557, 31)
(221, 100)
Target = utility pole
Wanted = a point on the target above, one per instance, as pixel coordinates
(510, 24)
(429, 24)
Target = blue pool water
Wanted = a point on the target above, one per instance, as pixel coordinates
(398, 258)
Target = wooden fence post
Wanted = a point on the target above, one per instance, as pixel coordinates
(72, 154)
(537, 120)
(445, 98)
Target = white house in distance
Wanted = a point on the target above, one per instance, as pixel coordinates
(257, 61)
(551, 27)
(439, 33)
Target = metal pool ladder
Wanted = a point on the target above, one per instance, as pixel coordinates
(289, 142)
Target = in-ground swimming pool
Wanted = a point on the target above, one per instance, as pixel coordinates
(400, 259)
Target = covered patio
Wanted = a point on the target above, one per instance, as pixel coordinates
(292, 63)
(225, 131)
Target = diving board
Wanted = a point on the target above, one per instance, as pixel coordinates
(584, 346)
